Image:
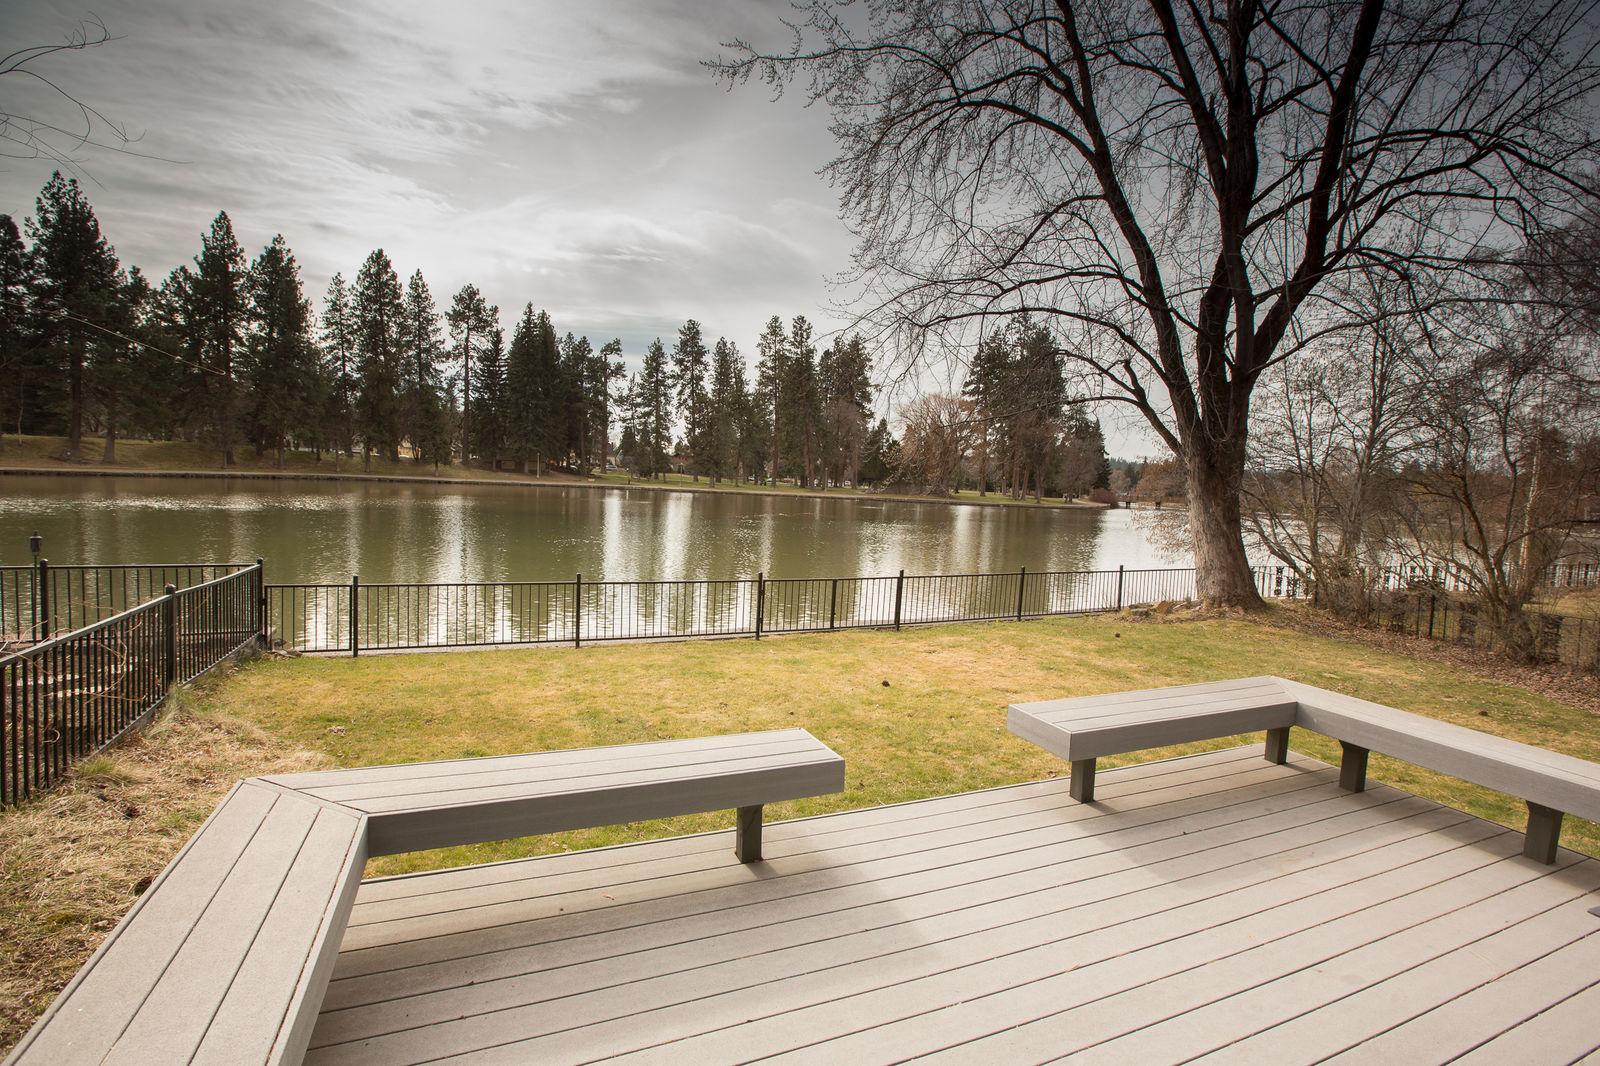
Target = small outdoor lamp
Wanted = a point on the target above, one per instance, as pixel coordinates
(35, 543)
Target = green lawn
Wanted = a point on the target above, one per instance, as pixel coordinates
(914, 714)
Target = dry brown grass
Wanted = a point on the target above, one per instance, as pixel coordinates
(73, 862)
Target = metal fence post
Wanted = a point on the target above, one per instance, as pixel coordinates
(833, 605)
(42, 602)
(577, 611)
(355, 615)
(899, 594)
(169, 627)
(761, 600)
(1022, 580)
(261, 603)
(1119, 588)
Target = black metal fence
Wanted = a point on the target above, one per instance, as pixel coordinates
(359, 616)
(40, 600)
(69, 696)
(1567, 638)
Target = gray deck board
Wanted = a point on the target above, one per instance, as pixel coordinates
(1213, 903)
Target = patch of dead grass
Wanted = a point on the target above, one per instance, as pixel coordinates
(74, 861)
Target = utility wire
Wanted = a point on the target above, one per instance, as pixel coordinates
(148, 347)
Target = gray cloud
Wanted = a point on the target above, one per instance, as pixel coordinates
(573, 155)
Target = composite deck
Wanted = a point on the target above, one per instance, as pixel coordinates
(1216, 906)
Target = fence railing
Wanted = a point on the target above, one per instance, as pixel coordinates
(1443, 577)
(1569, 639)
(69, 696)
(39, 600)
(362, 616)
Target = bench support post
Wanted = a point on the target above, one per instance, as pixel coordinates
(1544, 833)
(1278, 745)
(1081, 784)
(747, 837)
(1353, 768)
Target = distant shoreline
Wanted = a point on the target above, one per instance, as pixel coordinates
(64, 470)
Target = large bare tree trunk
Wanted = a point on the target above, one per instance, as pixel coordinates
(1223, 577)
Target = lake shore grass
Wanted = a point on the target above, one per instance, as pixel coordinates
(916, 713)
(33, 455)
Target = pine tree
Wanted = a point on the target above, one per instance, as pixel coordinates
(801, 411)
(75, 283)
(772, 362)
(689, 381)
(845, 384)
(116, 360)
(549, 409)
(15, 278)
(534, 427)
(339, 364)
(220, 312)
(878, 460)
(174, 322)
(424, 344)
(471, 319)
(630, 411)
(577, 355)
(489, 390)
(280, 359)
(985, 386)
(379, 309)
(720, 434)
(655, 411)
(605, 369)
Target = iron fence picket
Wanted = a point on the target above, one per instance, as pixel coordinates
(70, 696)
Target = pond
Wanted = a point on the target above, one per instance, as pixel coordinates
(325, 531)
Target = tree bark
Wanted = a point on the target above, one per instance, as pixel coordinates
(1223, 577)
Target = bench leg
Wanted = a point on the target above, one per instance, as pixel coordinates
(1544, 834)
(1081, 785)
(747, 837)
(1278, 745)
(1353, 768)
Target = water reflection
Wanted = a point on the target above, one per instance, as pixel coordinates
(389, 532)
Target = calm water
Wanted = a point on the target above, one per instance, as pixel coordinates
(325, 531)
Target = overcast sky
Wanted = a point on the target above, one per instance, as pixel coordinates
(575, 155)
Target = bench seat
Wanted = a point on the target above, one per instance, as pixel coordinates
(1084, 729)
(416, 806)
(226, 956)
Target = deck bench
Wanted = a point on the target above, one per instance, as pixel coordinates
(1084, 729)
(226, 956)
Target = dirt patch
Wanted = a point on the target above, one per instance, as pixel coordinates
(74, 861)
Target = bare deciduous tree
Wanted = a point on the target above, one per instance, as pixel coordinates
(43, 117)
(1508, 464)
(1180, 185)
(1329, 434)
(939, 432)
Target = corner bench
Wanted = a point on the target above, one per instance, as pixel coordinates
(226, 956)
(1084, 729)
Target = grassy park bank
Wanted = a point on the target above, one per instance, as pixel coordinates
(144, 458)
(915, 714)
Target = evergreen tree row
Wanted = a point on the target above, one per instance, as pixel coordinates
(228, 351)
